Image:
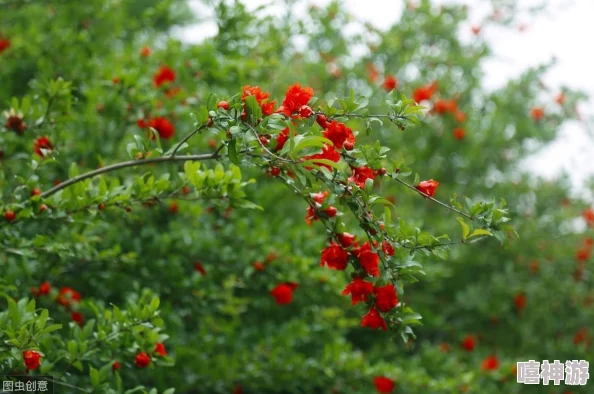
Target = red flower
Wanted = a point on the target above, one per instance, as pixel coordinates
(560, 99)
(116, 365)
(295, 98)
(373, 73)
(258, 266)
(283, 293)
(385, 297)
(388, 248)
(491, 363)
(424, 92)
(328, 153)
(368, 259)
(322, 121)
(580, 336)
(163, 126)
(346, 239)
(255, 91)
(537, 113)
(468, 343)
(428, 187)
(475, 30)
(361, 174)
(335, 257)
(305, 111)
(281, 139)
(520, 301)
(160, 348)
(146, 52)
(339, 133)
(14, 121)
(32, 359)
(358, 289)
(78, 318)
(142, 360)
(459, 133)
(374, 320)
(165, 74)
(4, 44)
(319, 197)
(384, 385)
(42, 143)
(582, 254)
(268, 108)
(442, 106)
(460, 116)
(43, 289)
(68, 296)
(198, 267)
(588, 215)
(390, 83)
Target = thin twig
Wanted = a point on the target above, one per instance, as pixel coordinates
(186, 138)
(125, 164)
(435, 200)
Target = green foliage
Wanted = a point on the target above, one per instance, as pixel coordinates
(179, 238)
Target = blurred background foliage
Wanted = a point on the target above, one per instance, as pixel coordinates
(531, 299)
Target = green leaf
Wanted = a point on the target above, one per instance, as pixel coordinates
(95, 378)
(311, 142)
(465, 228)
(232, 151)
(480, 231)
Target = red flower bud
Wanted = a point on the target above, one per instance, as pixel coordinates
(223, 104)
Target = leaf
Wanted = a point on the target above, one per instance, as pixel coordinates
(232, 151)
(480, 231)
(95, 378)
(465, 228)
(318, 162)
(311, 141)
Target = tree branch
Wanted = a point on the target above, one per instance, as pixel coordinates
(125, 164)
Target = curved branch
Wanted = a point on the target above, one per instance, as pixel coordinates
(125, 164)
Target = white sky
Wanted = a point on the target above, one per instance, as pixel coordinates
(562, 32)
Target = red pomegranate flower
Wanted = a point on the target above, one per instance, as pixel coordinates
(369, 260)
(385, 297)
(520, 301)
(537, 113)
(258, 266)
(588, 216)
(42, 143)
(339, 133)
(43, 289)
(160, 348)
(384, 385)
(362, 174)
(491, 363)
(295, 98)
(390, 83)
(4, 44)
(283, 293)
(67, 296)
(255, 91)
(346, 239)
(428, 187)
(163, 126)
(335, 257)
(468, 343)
(374, 320)
(116, 365)
(146, 52)
(459, 133)
(165, 74)
(142, 360)
(198, 267)
(582, 254)
(424, 92)
(268, 108)
(14, 121)
(281, 139)
(359, 290)
(78, 318)
(388, 248)
(328, 153)
(32, 359)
